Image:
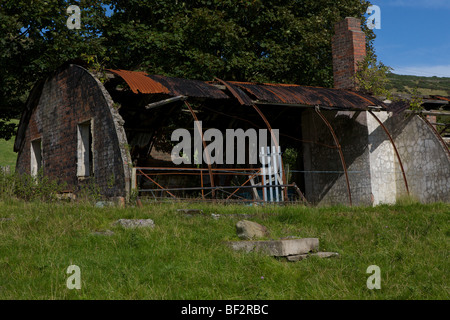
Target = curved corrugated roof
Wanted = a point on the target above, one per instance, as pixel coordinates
(190, 88)
(139, 82)
(305, 95)
(247, 92)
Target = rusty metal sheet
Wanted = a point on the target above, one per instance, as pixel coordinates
(440, 98)
(241, 97)
(312, 96)
(189, 88)
(139, 82)
(246, 92)
(397, 107)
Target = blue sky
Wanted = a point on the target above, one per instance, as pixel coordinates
(414, 37)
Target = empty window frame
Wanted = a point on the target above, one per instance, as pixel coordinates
(36, 157)
(85, 167)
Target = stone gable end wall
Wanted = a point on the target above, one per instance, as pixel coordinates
(69, 97)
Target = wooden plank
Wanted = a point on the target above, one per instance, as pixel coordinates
(255, 190)
(164, 102)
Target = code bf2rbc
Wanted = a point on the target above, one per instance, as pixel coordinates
(242, 309)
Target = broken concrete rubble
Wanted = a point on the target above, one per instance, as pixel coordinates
(300, 257)
(135, 223)
(103, 233)
(190, 212)
(278, 248)
(293, 249)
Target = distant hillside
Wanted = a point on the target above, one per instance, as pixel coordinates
(403, 84)
(425, 85)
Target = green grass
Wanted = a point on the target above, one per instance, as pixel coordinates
(186, 258)
(7, 155)
(424, 85)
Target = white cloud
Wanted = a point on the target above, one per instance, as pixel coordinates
(426, 71)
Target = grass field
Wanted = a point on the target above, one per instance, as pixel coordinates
(185, 257)
(7, 154)
(424, 85)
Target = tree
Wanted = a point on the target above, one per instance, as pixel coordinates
(285, 41)
(372, 77)
(34, 40)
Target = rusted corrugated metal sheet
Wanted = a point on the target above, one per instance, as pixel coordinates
(237, 93)
(440, 98)
(246, 92)
(311, 96)
(397, 107)
(189, 88)
(139, 82)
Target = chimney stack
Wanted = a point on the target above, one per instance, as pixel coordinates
(348, 47)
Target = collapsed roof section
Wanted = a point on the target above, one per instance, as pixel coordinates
(140, 82)
(432, 104)
(248, 93)
(291, 94)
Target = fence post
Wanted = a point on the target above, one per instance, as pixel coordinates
(273, 169)
(133, 179)
(269, 169)
(275, 172)
(282, 178)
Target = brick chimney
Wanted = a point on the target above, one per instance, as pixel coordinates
(348, 47)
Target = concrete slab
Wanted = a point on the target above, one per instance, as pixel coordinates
(190, 211)
(277, 248)
(135, 223)
(299, 257)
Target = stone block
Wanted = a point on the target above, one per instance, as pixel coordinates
(190, 211)
(103, 233)
(277, 248)
(299, 257)
(135, 223)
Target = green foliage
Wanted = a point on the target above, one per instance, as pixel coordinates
(268, 41)
(371, 77)
(7, 129)
(425, 85)
(290, 156)
(7, 155)
(97, 67)
(416, 101)
(90, 191)
(286, 41)
(29, 188)
(134, 197)
(34, 40)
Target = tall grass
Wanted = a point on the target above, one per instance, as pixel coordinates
(27, 187)
(7, 155)
(185, 257)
